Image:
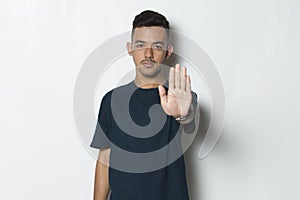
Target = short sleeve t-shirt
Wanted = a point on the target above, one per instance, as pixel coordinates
(166, 183)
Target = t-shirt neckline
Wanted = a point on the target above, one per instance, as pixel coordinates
(166, 83)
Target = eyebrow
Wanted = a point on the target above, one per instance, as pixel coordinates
(141, 41)
(159, 43)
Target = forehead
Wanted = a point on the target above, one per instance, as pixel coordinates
(150, 34)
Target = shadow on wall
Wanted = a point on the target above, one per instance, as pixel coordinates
(191, 155)
(193, 172)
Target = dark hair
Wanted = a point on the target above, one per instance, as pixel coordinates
(150, 18)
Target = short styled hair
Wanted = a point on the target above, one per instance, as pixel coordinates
(149, 18)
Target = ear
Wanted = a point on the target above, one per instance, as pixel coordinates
(169, 51)
(129, 48)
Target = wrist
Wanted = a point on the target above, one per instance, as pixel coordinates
(186, 117)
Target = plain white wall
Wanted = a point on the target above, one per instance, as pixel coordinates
(253, 43)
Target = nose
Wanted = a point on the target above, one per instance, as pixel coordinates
(148, 53)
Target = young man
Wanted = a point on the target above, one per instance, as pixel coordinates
(149, 48)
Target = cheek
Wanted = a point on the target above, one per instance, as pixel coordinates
(160, 56)
(137, 57)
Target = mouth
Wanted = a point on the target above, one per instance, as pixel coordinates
(148, 64)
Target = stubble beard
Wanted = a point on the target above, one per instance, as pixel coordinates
(150, 73)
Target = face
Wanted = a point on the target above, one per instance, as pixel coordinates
(149, 49)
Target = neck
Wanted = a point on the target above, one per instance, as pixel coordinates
(149, 82)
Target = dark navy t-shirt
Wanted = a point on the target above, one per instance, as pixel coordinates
(166, 183)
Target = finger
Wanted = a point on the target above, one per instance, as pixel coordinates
(177, 76)
(162, 94)
(172, 78)
(188, 83)
(183, 78)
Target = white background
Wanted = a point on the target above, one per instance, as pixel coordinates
(254, 44)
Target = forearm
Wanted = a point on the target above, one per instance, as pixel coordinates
(101, 185)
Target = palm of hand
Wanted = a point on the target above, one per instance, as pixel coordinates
(179, 98)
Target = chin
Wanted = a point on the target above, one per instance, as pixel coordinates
(150, 73)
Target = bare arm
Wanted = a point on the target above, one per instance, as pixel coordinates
(101, 186)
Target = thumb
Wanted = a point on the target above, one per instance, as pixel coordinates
(162, 94)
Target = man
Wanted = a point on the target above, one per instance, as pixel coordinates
(149, 48)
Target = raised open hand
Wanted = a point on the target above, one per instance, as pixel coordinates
(177, 102)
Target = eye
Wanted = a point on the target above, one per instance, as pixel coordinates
(158, 47)
(140, 45)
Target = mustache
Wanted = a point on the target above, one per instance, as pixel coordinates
(148, 61)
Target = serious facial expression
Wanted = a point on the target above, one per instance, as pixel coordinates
(149, 49)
